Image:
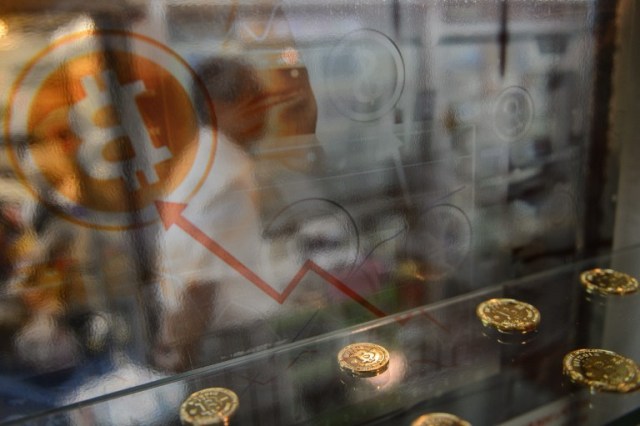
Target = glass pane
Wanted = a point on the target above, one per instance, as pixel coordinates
(200, 192)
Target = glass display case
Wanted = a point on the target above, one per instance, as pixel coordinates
(441, 359)
(226, 193)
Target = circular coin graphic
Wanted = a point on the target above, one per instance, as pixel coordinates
(103, 123)
(365, 74)
(559, 210)
(315, 229)
(363, 359)
(439, 419)
(508, 315)
(608, 281)
(513, 113)
(602, 370)
(212, 406)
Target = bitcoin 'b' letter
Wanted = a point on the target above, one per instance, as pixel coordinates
(95, 138)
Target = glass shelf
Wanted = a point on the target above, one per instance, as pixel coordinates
(441, 360)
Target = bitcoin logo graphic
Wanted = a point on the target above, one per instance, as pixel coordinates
(95, 139)
(365, 74)
(102, 124)
(513, 113)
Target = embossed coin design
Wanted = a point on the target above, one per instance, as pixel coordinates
(508, 315)
(439, 419)
(211, 406)
(602, 370)
(363, 359)
(608, 282)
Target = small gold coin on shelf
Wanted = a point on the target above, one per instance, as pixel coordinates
(508, 315)
(211, 406)
(363, 359)
(608, 281)
(602, 370)
(439, 419)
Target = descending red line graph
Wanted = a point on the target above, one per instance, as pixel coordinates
(172, 214)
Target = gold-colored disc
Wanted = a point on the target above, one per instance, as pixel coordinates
(363, 359)
(608, 281)
(439, 419)
(602, 370)
(508, 315)
(211, 406)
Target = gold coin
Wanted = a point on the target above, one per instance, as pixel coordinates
(608, 281)
(363, 359)
(508, 315)
(439, 419)
(602, 370)
(211, 406)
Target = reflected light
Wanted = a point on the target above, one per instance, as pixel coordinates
(4, 29)
(80, 24)
(290, 56)
(393, 375)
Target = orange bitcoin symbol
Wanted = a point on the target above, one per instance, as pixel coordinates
(111, 126)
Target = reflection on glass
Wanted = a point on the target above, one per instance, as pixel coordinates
(183, 184)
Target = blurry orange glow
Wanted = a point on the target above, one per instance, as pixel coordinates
(290, 56)
(4, 28)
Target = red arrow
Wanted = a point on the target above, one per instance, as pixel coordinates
(171, 214)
